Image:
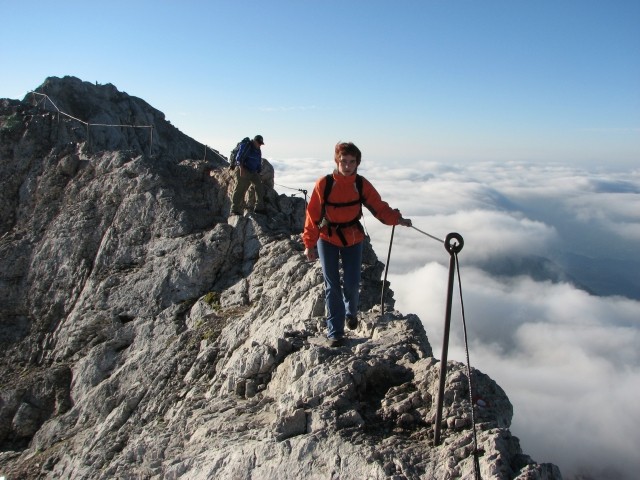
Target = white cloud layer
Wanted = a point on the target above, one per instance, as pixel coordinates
(551, 292)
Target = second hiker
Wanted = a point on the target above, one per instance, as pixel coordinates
(249, 161)
(333, 232)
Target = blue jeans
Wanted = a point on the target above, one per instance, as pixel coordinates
(340, 299)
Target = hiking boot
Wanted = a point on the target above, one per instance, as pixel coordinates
(336, 342)
(352, 322)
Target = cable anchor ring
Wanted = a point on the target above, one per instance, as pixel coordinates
(452, 247)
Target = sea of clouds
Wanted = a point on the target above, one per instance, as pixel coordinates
(550, 288)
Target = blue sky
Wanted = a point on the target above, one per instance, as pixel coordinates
(515, 123)
(406, 80)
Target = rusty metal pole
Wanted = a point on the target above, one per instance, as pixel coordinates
(453, 249)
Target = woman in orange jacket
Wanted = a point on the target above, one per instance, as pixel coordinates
(333, 232)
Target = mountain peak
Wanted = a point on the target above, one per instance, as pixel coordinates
(145, 333)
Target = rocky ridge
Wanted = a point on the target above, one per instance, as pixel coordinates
(145, 334)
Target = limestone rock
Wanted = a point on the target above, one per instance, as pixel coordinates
(145, 334)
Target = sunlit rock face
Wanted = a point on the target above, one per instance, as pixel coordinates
(144, 333)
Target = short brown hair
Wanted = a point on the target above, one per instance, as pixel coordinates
(347, 148)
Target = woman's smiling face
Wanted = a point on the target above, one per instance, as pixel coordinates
(347, 165)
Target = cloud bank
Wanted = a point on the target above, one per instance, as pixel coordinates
(550, 287)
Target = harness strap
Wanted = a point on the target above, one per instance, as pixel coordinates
(339, 226)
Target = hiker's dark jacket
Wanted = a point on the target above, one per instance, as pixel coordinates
(344, 191)
(252, 158)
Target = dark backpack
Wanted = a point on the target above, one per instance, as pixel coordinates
(234, 161)
(337, 227)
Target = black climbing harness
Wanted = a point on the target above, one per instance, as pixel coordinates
(453, 243)
(337, 227)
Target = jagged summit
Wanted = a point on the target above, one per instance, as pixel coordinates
(144, 334)
(103, 118)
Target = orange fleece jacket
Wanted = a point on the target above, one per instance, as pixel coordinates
(344, 190)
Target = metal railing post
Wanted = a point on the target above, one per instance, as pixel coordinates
(452, 248)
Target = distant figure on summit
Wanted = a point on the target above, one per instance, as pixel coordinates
(249, 159)
(333, 232)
